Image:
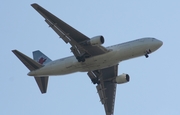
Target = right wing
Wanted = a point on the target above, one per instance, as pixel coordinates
(105, 88)
(69, 34)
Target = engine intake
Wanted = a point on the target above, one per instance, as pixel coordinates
(124, 78)
(96, 41)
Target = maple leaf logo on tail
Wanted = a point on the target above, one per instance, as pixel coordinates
(42, 60)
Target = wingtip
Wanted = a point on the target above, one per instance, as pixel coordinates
(43, 92)
(14, 50)
(34, 5)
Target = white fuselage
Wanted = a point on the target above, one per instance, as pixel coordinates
(116, 54)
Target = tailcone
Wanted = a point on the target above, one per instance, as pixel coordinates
(31, 73)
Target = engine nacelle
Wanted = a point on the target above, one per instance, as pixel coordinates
(122, 78)
(96, 41)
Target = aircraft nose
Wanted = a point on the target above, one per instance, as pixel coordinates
(159, 43)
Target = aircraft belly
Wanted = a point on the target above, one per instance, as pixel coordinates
(113, 57)
(99, 62)
(129, 51)
(59, 67)
(124, 52)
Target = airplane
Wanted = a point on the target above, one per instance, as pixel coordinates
(100, 63)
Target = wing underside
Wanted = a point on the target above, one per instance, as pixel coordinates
(69, 34)
(106, 88)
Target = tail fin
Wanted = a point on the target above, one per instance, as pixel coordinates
(33, 65)
(40, 57)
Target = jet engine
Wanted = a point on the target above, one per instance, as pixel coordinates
(96, 41)
(123, 78)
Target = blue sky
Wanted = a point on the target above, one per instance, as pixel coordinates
(155, 82)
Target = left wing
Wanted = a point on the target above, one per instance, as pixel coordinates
(69, 34)
(106, 87)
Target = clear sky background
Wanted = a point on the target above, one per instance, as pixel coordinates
(154, 88)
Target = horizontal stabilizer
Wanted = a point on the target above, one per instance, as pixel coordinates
(31, 64)
(27, 61)
(42, 83)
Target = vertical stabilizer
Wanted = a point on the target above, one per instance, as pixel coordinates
(41, 58)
